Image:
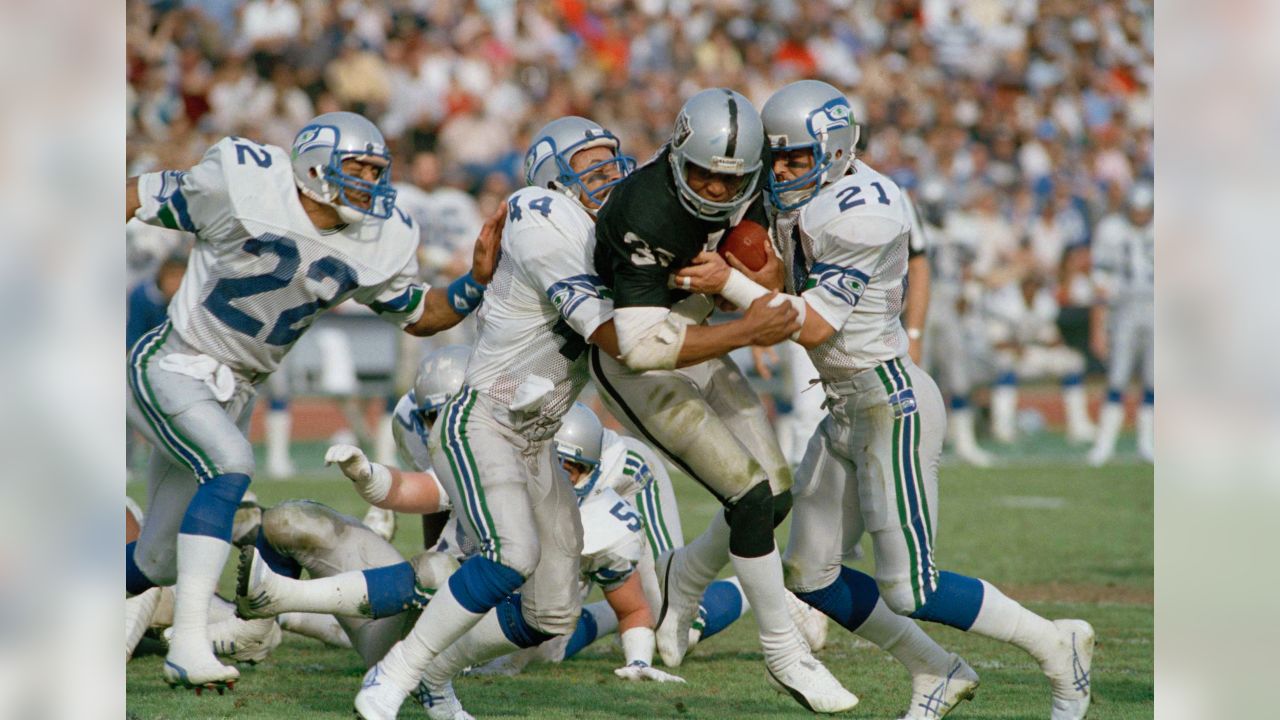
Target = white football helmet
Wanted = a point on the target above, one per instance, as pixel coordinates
(318, 151)
(809, 115)
(546, 163)
(440, 376)
(580, 439)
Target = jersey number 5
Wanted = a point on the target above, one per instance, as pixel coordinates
(623, 512)
(283, 332)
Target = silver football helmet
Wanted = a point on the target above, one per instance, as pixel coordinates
(547, 162)
(719, 131)
(809, 115)
(318, 151)
(580, 439)
(440, 376)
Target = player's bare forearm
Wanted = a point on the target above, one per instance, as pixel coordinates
(412, 492)
(704, 342)
(917, 305)
(606, 338)
(131, 200)
(437, 314)
(629, 604)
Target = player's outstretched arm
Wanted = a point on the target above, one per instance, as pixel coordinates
(635, 631)
(386, 487)
(442, 309)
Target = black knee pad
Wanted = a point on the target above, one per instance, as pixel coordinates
(751, 522)
(781, 507)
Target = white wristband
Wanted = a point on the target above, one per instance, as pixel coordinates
(742, 290)
(378, 486)
(638, 644)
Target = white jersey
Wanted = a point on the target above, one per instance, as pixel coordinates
(545, 300)
(854, 237)
(260, 271)
(1124, 260)
(613, 527)
(1012, 319)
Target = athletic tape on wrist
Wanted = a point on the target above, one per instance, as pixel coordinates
(378, 486)
(637, 645)
(465, 294)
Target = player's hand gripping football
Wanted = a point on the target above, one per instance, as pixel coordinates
(770, 320)
(639, 671)
(484, 259)
(769, 275)
(707, 274)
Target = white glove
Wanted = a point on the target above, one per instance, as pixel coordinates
(373, 481)
(639, 671)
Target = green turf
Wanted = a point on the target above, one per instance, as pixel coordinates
(1068, 541)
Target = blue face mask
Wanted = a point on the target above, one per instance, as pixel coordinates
(776, 188)
(382, 197)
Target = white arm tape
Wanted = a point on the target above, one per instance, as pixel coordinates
(742, 291)
(444, 503)
(638, 644)
(377, 487)
(649, 338)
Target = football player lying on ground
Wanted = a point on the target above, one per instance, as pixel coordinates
(281, 236)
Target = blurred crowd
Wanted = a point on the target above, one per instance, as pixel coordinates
(1018, 125)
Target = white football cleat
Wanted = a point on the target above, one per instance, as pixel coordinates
(382, 522)
(256, 591)
(248, 519)
(810, 621)
(441, 703)
(933, 696)
(138, 612)
(677, 613)
(379, 698)
(809, 683)
(239, 640)
(1070, 670)
(197, 668)
(974, 455)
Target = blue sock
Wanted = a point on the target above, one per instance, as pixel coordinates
(1148, 396)
(956, 602)
(1007, 379)
(723, 604)
(392, 590)
(213, 509)
(849, 600)
(279, 404)
(135, 581)
(583, 635)
(517, 629)
(480, 584)
(278, 562)
(1072, 380)
(1115, 395)
(959, 402)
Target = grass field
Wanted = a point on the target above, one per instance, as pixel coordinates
(1068, 541)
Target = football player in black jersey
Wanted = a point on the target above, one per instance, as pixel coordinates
(705, 418)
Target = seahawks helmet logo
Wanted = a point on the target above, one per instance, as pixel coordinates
(682, 132)
(835, 114)
(571, 292)
(313, 137)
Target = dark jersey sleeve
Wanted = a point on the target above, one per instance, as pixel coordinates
(643, 234)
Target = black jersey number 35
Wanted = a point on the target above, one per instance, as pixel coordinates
(643, 254)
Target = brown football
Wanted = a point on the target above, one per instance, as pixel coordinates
(749, 242)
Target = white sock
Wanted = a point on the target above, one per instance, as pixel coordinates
(479, 645)
(200, 561)
(761, 583)
(342, 594)
(220, 610)
(278, 426)
(1000, 618)
(961, 427)
(1004, 412)
(441, 623)
(1076, 404)
(138, 612)
(606, 619)
(705, 557)
(902, 638)
(1147, 431)
(324, 628)
(1110, 420)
